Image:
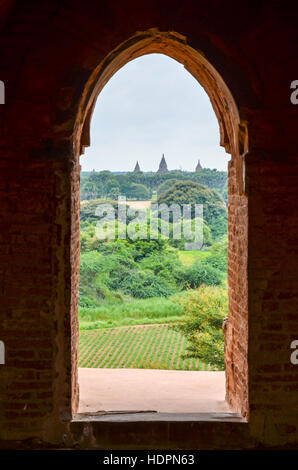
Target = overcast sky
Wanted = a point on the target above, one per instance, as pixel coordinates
(149, 107)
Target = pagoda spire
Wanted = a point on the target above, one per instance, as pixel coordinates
(137, 167)
(163, 167)
(199, 166)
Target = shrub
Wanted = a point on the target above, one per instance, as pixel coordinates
(96, 276)
(205, 308)
(218, 257)
(144, 248)
(166, 265)
(142, 285)
(203, 273)
(218, 226)
(181, 243)
(121, 249)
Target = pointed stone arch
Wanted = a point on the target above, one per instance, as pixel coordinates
(233, 132)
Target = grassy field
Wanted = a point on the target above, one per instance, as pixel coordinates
(130, 312)
(138, 311)
(133, 311)
(188, 257)
(137, 333)
(144, 347)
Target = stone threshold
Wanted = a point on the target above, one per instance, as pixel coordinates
(142, 416)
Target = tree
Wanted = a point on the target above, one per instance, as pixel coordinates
(189, 192)
(88, 209)
(89, 190)
(144, 284)
(112, 188)
(203, 273)
(114, 193)
(166, 185)
(139, 192)
(205, 309)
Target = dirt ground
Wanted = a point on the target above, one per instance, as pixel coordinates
(167, 391)
(138, 204)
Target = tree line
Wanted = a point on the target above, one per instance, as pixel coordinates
(145, 185)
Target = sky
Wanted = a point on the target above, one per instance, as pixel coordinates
(151, 106)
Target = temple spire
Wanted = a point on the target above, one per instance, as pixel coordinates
(199, 166)
(163, 167)
(137, 167)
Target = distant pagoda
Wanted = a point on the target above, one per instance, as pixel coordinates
(163, 167)
(199, 166)
(137, 168)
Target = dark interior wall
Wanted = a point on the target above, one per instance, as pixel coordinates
(48, 52)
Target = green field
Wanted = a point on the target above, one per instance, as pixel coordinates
(188, 257)
(131, 312)
(148, 346)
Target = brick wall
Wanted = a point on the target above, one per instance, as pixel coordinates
(236, 329)
(49, 52)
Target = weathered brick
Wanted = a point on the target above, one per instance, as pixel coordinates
(49, 52)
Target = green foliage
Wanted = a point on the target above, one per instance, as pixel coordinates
(141, 268)
(90, 190)
(144, 248)
(218, 257)
(181, 242)
(219, 226)
(166, 185)
(188, 257)
(224, 192)
(122, 280)
(121, 249)
(205, 308)
(88, 208)
(92, 184)
(95, 271)
(189, 192)
(130, 311)
(117, 268)
(112, 189)
(166, 265)
(88, 238)
(134, 282)
(137, 191)
(203, 273)
(173, 187)
(212, 178)
(142, 285)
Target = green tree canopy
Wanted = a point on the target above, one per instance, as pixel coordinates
(166, 185)
(189, 192)
(139, 192)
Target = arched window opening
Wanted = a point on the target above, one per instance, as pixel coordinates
(153, 274)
